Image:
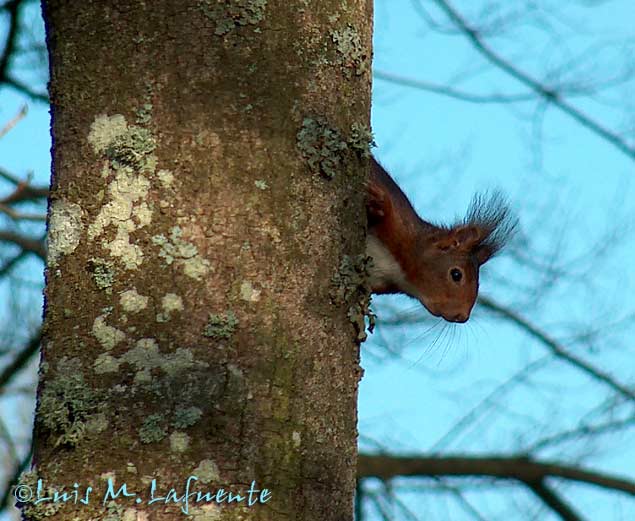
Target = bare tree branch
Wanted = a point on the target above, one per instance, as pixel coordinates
(8, 266)
(20, 361)
(579, 432)
(20, 216)
(558, 350)
(467, 506)
(24, 464)
(24, 191)
(35, 246)
(478, 410)
(551, 95)
(9, 177)
(13, 8)
(359, 498)
(24, 89)
(554, 502)
(450, 92)
(519, 468)
(379, 508)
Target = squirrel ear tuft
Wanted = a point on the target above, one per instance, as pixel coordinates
(490, 214)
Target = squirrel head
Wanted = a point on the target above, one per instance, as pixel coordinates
(445, 273)
(437, 265)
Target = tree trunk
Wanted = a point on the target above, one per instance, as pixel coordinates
(204, 225)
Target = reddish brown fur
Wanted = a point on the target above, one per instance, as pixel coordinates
(420, 259)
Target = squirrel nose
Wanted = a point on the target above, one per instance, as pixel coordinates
(459, 317)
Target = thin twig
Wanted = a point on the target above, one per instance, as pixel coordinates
(579, 432)
(558, 350)
(496, 394)
(14, 121)
(450, 92)
(551, 95)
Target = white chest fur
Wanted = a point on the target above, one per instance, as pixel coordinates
(385, 271)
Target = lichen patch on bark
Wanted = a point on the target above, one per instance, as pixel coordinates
(107, 336)
(129, 156)
(64, 230)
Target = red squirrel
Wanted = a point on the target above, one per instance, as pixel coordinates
(437, 265)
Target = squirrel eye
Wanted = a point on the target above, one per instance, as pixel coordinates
(456, 274)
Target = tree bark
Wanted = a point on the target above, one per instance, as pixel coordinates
(208, 169)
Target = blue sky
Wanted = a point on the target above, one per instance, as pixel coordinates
(569, 189)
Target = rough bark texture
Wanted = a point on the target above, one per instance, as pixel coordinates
(195, 231)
